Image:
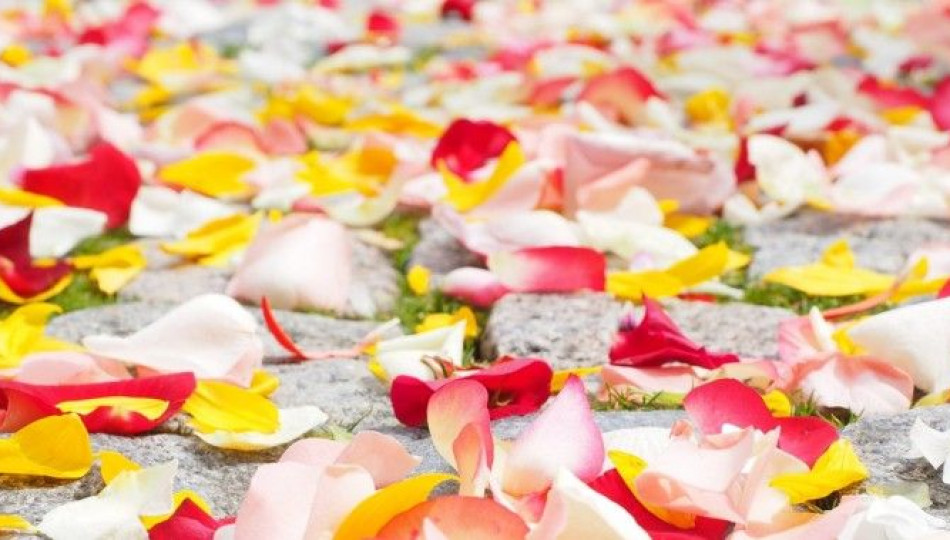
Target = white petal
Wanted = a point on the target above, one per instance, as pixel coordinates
(212, 336)
(57, 229)
(294, 423)
(162, 212)
(784, 172)
(913, 338)
(402, 355)
(647, 443)
(929, 443)
(893, 518)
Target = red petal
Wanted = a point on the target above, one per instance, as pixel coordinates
(612, 486)
(657, 341)
(463, 9)
(16, 265)
(940, 104)
(456, 516)
(21, 402)
(276, 330)
(381, 23)
(474, 286)
(549, 92)
(550, 269)
(466, 146)
(890, 96)
(189, 522)
(516, 386)
(107, 181)
(945, 290)
(728, 401)
(619, 93)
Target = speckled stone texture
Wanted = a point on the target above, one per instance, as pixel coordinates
(220, 477)
(882, 444)
(878, 244)
(577, 330)
(439, 251)
(568, 330)
(374, 287)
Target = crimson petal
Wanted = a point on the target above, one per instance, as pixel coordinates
(657, 341)
(16, 265)
(466, 146)
(107, 181)
(22, 403)
(189, 522)
(516, 386)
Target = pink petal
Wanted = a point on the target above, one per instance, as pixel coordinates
(673, 379)
(460, 426)
(550, 269)
(278, 503)
(313, 451)
(339, 490)
(475, 286)
(301, 262)
(605, 193)
(564, 435)
(940, 104)
(68, 367)
(860, 384)
(384, 457)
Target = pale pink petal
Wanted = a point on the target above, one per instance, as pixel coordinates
(278, 502)
(864, 385)
(211, 335)
(453, 407)
(384, 457)
(799, 525)
(475, 286)
(317, 452)
(605, 193)
(564, 435)
(673, 379)
(68, 367)
(338, 491)
(301, 262)
(520, 193)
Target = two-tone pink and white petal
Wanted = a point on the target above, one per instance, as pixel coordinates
(550, 269)
(460, 427)
(302, 262)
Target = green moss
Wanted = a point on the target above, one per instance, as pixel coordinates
(627, 399)
(80, 294)
(837, 416)
(723, 231)
(405, 228)
(103, 242)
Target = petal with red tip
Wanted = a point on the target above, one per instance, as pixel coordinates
(475, 286)
(550, 269)
(188, 522)
(619, 94)
(563, 436)
(461, 431)
(107, 181)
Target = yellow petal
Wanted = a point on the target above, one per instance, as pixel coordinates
(18, 197)
(150, 408)
(709, 107)
(178, 498)
(688, 225)
(629, 467)
(837, 143)
(838, 468)
(710, 262)
(22, 333)
(7, 295)
(824, 280)
(113, 268)
(378, 509)
(218, 406)
(216, 241)
(838, 255)
(400, 121)
(378, 370)
(418, 279)
(111, 464)
(934, 399)
(634, 285)
(465, 196)
(778, 403)
(441, 320)
(562, 375)
(158, 64)
(668, 206)
(16, 55)
(11, 523)
(900, 116)
(55, 446)
(264, 383)
(216, 174)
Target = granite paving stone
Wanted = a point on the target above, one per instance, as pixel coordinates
(439, 251)
(882, 443)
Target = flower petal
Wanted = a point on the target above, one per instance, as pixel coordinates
(371, 515)
(57, 447)
(563, 435)
(293, 422)
(550, 269)
(458, 516)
